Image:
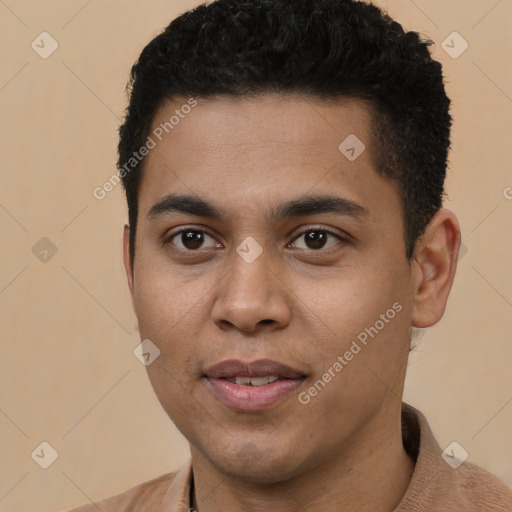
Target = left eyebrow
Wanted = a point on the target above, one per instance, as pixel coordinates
(300, 207)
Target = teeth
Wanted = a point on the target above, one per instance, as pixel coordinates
(255, 381)
(259, 381)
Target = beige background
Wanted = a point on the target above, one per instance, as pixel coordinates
(68, 375)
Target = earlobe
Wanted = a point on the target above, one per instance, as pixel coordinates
(127, 259)
(436, 263)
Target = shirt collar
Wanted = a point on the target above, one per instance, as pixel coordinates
(177, 498)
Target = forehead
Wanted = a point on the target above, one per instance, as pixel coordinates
(307, 123)
(252, 149)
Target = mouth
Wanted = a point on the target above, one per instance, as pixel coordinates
(253, 381)
(252, 386)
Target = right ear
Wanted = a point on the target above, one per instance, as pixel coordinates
(128, 267)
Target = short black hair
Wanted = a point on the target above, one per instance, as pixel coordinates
(326, 49)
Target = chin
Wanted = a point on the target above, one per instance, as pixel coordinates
(252, 463)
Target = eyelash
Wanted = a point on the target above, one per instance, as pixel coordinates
(316, 229)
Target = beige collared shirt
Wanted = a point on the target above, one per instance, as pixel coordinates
(435, 486)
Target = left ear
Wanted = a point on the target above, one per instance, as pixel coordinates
(435, 264)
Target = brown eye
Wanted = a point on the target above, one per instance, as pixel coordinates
(315, 239)
(190, 239)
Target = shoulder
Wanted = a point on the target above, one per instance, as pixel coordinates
(146, 493)
(482, 490)
(437, 485)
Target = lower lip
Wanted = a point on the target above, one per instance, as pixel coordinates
(253, 398)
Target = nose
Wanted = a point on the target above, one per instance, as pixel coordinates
(251, 297)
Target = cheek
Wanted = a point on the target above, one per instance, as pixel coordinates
(348, 304)
(365, 323)
(171, 322)
(161, 301)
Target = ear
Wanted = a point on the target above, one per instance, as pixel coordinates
(435, 264)
(127, 259)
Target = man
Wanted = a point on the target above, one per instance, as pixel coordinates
(284, 166)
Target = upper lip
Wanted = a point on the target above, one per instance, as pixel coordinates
(260, 368)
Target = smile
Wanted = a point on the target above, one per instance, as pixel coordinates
(252, 386)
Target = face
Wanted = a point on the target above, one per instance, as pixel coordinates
(318, 297)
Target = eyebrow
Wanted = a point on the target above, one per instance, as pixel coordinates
(303, 206)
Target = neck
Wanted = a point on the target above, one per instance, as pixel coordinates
(371, 474)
